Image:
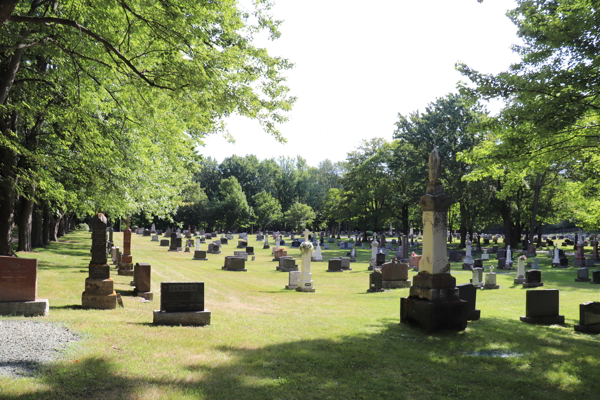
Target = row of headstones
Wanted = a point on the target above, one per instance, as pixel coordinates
(541, 307)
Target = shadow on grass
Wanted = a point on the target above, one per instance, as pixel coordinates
(125, 293)
(68, 307)
(494, 358)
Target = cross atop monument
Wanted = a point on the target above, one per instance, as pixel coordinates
(306, 233)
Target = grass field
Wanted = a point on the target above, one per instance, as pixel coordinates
(268, 343)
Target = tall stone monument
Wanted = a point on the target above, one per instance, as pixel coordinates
(126, 265)
(305, 283)
(434, 302)
(99, 287)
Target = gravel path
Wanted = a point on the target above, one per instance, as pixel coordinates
(24, 345)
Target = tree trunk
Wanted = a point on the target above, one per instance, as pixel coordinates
(54, 223)
(37, 227)
(405, 227)
(61, 227)
(539, 179)
(46, 226)
(7, 200)
(25, 220)
(463, 226)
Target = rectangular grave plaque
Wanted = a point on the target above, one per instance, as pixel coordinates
(18, 279)
(99, 271)
(181, 296)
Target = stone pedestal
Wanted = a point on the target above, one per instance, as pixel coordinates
(183, 318)
(200, 255)
(434, 303)
(34, 308)
(99, 294)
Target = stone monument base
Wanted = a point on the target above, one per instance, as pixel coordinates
(434, 303)
(125, 271)
(467, 267)
(533, 284)
(291, 287)
(185, 318)
(580, 263)
(395, 284)
(146, 295)
(582, 280)
(473, 315)
(36, 308)
(99, 301)
(491, 287)
(235, 270)
(595, 328)
(301, 289)
(200, 255)
(545, 320)
(434, 315)
(518, 281)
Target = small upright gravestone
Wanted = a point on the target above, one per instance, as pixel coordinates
(589, 317)
(533, 278)
(490, 280)
(182, 303)
(175, 238)
(235, 263)
(18, 288)
(541, 307)
(394, 275)
(376, 281)
(582, 275)
(335, 265)
(99, 287)
(294, 277)
(595, 277)
(142, 279)
(468, 292)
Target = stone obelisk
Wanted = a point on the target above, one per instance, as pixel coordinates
(99, 287)
(434, 302)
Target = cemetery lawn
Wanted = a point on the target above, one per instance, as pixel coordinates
(265, 342)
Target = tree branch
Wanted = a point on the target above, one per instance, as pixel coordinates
(107, 45)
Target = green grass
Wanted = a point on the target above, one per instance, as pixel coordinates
(268, 343)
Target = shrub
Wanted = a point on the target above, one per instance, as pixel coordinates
(82, 227)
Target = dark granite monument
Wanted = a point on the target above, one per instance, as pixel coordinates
(541, 307)
(182, 303)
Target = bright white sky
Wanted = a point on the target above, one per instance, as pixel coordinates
(358, 64)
